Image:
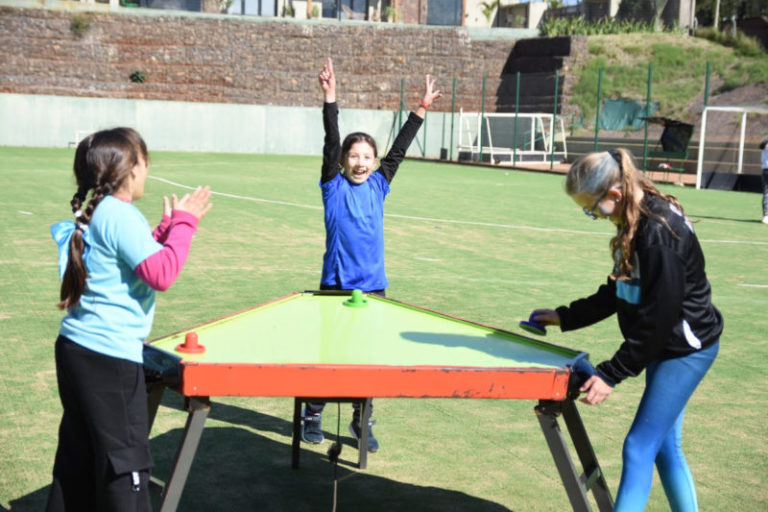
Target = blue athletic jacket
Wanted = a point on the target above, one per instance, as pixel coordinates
(354, 214)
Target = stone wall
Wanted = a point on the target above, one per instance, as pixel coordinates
(232, 59)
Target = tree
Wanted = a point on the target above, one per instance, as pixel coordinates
(711, 12)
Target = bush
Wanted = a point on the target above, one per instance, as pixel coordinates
(138, 77)
(603, 26)
(743, 44)
(80, 25)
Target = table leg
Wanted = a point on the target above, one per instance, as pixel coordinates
(295, 448)
(595, 478)
(362, 445)
(576, 486)
(154, 396)
(198, 408)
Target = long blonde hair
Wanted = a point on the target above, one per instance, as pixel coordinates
(594, 174)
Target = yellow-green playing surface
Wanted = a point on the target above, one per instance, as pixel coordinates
(320, 329)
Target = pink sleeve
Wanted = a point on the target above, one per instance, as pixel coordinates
(161, 269)
(161, 231)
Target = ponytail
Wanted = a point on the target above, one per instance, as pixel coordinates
(622, 245)
(73, 282)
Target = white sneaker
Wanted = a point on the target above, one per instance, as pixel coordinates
(765, 219)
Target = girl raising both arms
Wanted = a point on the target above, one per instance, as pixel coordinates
(354, 185)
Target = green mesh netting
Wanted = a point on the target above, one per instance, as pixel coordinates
(623, 113)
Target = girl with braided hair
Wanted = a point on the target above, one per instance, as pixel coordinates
(660, 293)
(110, 264)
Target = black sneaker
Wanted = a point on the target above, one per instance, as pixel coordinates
(312, 429)
(354, 429)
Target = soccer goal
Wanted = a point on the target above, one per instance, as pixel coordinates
(720, 163)
(79, 135)
(503, 138)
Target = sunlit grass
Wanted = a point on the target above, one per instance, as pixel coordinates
(484, 244)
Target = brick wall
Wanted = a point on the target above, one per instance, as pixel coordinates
(237, 60)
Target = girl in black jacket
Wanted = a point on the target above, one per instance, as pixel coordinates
(661, 297)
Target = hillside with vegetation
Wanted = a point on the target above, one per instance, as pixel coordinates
(738, 74)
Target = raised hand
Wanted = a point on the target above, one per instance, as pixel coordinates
(327, 80)
(430, 95)
(197, 203)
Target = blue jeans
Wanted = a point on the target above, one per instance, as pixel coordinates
(656, 434)
(765, 192)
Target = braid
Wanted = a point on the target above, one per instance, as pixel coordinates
(73, 282)
(77, 202)
(99, 193)
(78, 199)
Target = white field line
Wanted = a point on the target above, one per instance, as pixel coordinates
(443, 221)
(237, 196)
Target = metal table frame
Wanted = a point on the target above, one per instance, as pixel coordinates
(577, 483)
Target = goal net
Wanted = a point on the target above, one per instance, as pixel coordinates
(728, 153)
(504, 138)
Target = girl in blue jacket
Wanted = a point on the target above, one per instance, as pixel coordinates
(354, 185)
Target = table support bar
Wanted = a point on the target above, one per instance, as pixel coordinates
(365, 417)
(198, 408)
(576, 486)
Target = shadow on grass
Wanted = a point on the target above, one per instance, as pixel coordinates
(238, 469)
(756, 220)
(32, 502)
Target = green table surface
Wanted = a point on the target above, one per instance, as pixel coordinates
(314, 328)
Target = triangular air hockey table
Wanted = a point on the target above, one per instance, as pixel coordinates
(349, 346)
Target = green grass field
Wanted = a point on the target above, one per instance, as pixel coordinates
(484, 244)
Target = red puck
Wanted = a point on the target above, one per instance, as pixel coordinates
(190, 345)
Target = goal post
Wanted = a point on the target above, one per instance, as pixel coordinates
(80, 134)
(505, 137)
(743, 111)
